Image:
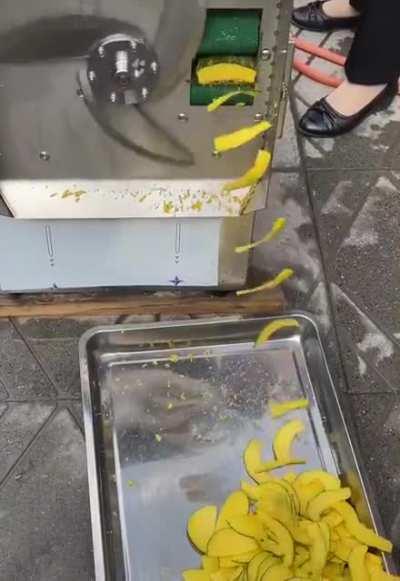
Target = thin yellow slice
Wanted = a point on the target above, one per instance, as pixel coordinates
(273, 327)
(363, 534)
(277, 573)
(195, 575)
(227, 543)
(282, 408)
(226, 73)
(201, 526)
(318, 549)
(248, 525)
(210, 564)
(284, 439)
(253, 175)
(219, 101)
(236, 504)
(329, 481)
(282, 536)
(306, 493)
(278, 504)
(325, 501)
(253, 460)
(266, 565)
(240, 137)
(277, 227)
(230, 574)
(357, 564)
(251, 490)
(269, 284)
(252, 569)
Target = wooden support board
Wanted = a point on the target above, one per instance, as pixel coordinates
(118, 303)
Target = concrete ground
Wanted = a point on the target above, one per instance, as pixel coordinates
(342, 202)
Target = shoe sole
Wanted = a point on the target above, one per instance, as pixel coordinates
(321, 30)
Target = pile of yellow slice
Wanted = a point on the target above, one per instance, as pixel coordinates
(293, 527)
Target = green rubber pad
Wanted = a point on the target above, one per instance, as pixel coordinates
(231, 32)
(204, 94)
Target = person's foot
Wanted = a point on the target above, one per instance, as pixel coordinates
(345, 108)
(325, 15)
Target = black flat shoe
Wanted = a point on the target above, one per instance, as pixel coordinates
(321, 120)
(312, 17)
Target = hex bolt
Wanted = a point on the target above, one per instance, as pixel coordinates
(101, 51)
(258, 117)
(92, 76)
(182, 117)
(44, 155)
(145, 92)
(113, 97)
(154, 66)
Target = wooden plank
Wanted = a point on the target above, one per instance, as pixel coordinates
(58, 305)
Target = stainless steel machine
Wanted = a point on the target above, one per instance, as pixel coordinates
(107, 171)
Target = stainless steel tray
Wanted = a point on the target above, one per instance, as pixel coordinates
(165, 437)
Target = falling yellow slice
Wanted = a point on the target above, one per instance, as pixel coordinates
(280, 409)
(273, 327)
(254, 174)
(270, 284)
(201, 526)
(284, 439)
(240, 137)
(226, 73)
(277, 227)
(219, 101)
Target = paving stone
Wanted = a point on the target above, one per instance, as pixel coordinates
(377, 420)
(337, 198)
(20, 371)
(296, 246)
(368, 262)
(44, 524)
(286, 154)
(377, 349)
(60, 358)
(19, 424)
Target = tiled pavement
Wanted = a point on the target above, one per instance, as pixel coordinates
(342, 202)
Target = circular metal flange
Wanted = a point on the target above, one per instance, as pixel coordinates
(122, 70)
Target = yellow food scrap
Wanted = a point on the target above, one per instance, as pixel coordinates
(277, 227)
(174, 358)
(216, 103)
(226, 73)
(201, 527)
(268, 285)
(168, 207)
(197, 206)
(254, 174)
(282, 408)
(273, 327)
(158, 437)
(76, 194)
(240, 137)
(170, 406)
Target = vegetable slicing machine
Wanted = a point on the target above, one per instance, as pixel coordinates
(107, 170)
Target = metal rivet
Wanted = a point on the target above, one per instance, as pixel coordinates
(92, 76)
(113, 97)
(258, 117)
(182, 117)
(101, 51)
(44, 155)
(145, 93)
(266, 54)
(133, 44)
(154, 66)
